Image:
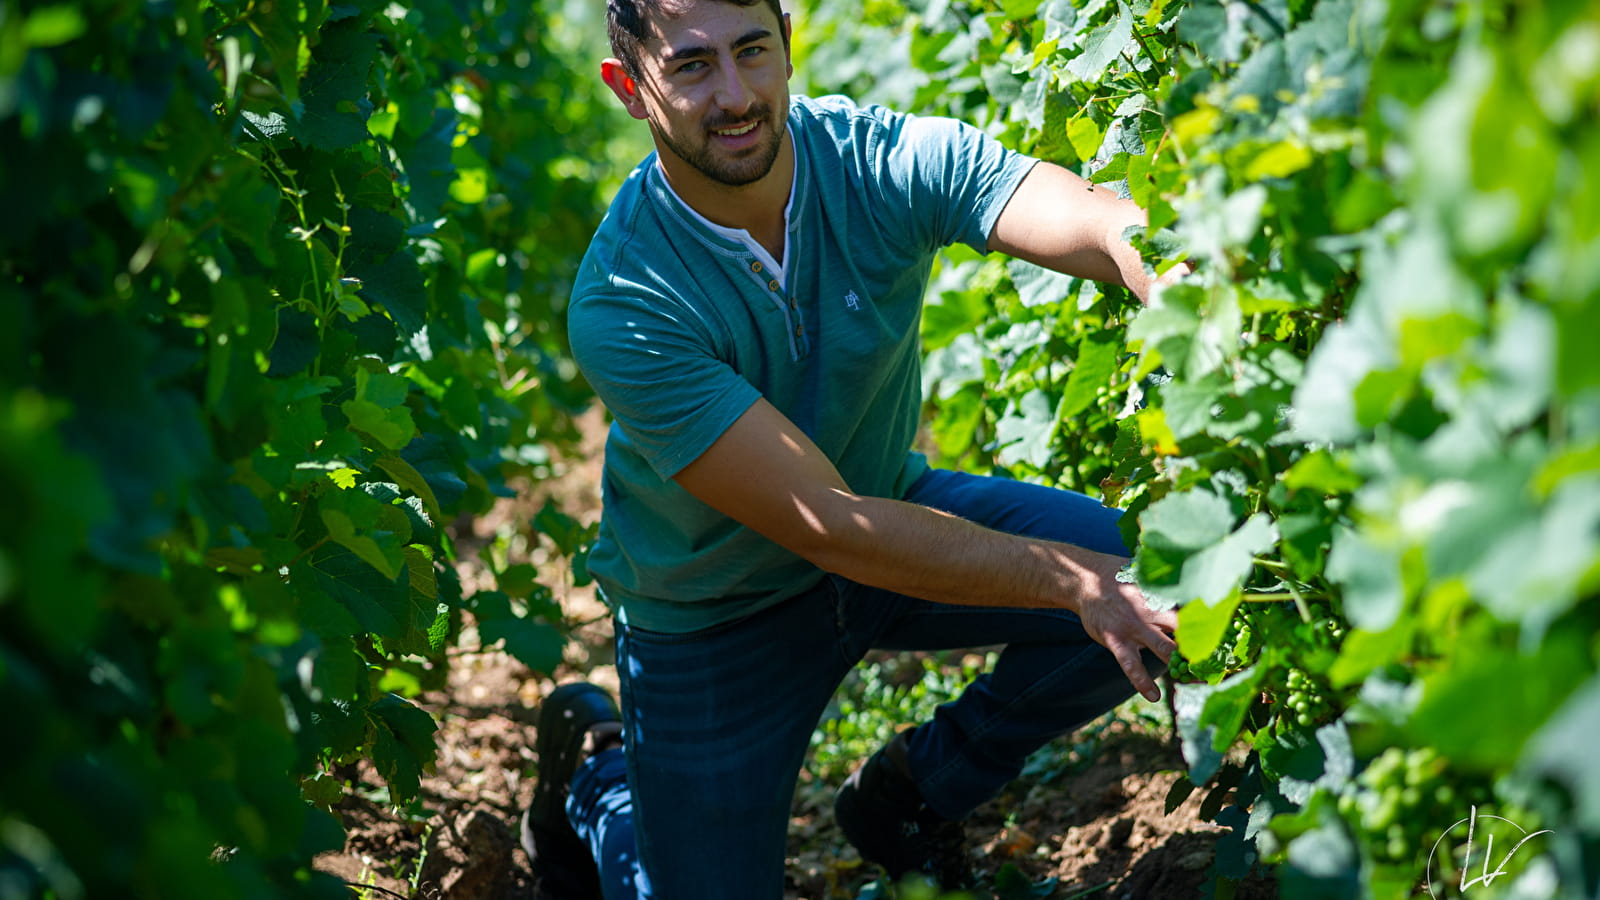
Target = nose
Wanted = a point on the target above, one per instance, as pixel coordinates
(732, 93)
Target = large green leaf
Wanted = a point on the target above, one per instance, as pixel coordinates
(1563, 750)
(1102, 46)
(404, 746)
(1209, 719)
(334, 110)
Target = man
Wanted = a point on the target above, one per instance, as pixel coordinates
(748, 312)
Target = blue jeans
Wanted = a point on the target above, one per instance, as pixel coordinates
(717, 722)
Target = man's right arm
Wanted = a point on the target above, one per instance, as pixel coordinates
(766, 474)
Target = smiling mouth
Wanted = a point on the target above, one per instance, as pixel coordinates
(736, 131)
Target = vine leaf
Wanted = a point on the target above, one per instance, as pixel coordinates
(1103, 45)
(1210, 716)
(536, 644)
(334, 105)
(404, 746)
(1091, 372)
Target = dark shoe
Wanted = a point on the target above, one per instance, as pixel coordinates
(881, 812)
(560, 858)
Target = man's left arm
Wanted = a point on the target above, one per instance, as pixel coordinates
(1058, 220)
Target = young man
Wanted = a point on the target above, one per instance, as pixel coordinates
(748, 312)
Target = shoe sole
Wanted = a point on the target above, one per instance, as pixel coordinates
(564, 721)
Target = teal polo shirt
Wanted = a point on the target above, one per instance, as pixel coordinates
(680, 327)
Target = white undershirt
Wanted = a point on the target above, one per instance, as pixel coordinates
(742, 235)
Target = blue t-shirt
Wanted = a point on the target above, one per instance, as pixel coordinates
(680, 328)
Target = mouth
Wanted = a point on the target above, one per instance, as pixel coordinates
(736, 131)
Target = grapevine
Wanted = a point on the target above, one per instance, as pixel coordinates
(1356, 447)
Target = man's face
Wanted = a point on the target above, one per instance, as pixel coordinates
(714, 85)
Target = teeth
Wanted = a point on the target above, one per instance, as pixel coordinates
(735, 132)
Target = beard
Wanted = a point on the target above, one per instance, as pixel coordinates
(748, 166)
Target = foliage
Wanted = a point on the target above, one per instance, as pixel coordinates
(1360, 446)
(280, 295)
(877, 699)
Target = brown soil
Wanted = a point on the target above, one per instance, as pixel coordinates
(1099, 826)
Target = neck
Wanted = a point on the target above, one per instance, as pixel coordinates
(757, 207)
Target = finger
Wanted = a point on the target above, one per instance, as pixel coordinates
(1127, 656)
(1165, 619)
(1161, 644)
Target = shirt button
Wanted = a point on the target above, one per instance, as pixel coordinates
(773, 284)
(755, 267)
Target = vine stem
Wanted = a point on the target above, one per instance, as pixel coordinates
(1280, 596)
(307, 551)
(373, 887)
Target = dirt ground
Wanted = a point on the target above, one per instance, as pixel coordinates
(1098, 825)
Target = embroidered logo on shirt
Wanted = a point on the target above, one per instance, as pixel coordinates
(852, 301)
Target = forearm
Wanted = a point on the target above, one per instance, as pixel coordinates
(1062, 222)
(925, 553)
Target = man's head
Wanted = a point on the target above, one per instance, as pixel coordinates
(628, 24)
(711, 78)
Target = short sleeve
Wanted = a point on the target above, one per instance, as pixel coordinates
(949, 179)
(656, 369)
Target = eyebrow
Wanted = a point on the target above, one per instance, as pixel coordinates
(702, 50)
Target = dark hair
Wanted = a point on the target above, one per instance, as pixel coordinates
(627, 24)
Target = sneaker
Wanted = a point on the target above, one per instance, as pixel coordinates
(572, 721)
(882, 814)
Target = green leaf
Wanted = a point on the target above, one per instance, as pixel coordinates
(391, 428)
(409, 478)
(1103, 46)
(1510, 694)
(1369, 572)
(1084, 135)
(1302, 765)
(1202, 625)
(1536, 570)
(1025, 431)
(568, 533)
(955, 425)
(1365, 652)
(537, 645)
(1321, 473)
(403, 747)
(381, 388)
(334, 91)
(378, 603)
(397, 284)
(1037, 285)
(1279, 160)
(381, 537)
(1216, 572)
(1209, 718)
(1324, 862)
(1218, 29)
(1092, 371)
(52, 26)
(1188, 520)
(1563, 751)
(279, 27)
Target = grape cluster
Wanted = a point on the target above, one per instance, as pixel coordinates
(1403, 801)
(1306, 703)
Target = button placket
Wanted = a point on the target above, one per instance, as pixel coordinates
(797, 329)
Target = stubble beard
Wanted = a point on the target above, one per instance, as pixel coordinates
(736, 171)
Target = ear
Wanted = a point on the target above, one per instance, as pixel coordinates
(788, 44)
(623, 85)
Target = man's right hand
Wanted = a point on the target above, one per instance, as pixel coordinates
(766, 474)
(1117, 616)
